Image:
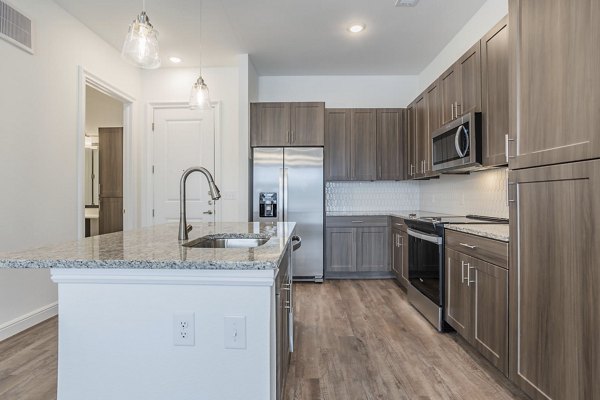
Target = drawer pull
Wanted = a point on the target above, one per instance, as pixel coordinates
(468, 246)
(357, 222)
(395, 223)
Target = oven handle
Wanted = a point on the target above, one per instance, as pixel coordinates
(429, 238)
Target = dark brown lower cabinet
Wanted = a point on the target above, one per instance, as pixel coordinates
(477, 304)
(357, 247)
(399, 253)
(555, 280)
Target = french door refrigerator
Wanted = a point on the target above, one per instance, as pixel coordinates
(288, 187)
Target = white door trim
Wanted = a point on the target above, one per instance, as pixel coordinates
(87, 78)
(148, 150)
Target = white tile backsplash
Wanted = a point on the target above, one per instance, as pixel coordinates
(371, 196)
(482, 193)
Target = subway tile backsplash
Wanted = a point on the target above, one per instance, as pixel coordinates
(482, 193)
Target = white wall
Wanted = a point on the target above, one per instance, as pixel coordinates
(248, 83)
(101, 111)
(174, 85)
(38, 147)
(341, 91)
(488, 15)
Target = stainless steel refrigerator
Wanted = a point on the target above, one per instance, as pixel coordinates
(288, 186)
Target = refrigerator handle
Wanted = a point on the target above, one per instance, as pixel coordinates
(280, 194)
(285, 194)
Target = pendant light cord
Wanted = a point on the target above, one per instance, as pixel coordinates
(200, 40)
(144, 5)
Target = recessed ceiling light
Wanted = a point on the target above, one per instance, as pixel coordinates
(175, 60)
(357, 28)
(406, 3)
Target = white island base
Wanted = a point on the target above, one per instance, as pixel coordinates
(116, 334)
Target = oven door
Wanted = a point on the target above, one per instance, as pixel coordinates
(425, 264)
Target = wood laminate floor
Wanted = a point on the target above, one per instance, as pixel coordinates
(354, 340)
(28, 363)
(360, 339)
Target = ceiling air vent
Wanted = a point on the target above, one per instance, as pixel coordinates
(406, 3)
(15, 27)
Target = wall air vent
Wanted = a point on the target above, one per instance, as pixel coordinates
(15, 27)
(406, 3)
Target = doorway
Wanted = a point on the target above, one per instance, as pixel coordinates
(183, 138)
(103, 179)
(104, 191)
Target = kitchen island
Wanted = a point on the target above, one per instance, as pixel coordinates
(123, 298)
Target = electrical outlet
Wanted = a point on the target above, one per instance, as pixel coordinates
(235, 332)
(184, 332)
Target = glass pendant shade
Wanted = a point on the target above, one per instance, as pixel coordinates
(199, 96)
(141, 43)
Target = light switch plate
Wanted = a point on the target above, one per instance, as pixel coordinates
(235, 332)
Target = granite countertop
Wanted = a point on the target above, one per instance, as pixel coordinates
(491, 231)
(157, 247)
(400, 214)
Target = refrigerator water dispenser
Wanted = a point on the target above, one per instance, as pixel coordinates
(267, 204)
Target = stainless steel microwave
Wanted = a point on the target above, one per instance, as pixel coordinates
(456, 146)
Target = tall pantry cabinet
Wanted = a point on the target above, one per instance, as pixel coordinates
(554, 197)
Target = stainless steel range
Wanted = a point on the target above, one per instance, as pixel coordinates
(426, 261)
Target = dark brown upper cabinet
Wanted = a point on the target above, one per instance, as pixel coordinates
(287, 124)
(391, 144)
(469, 91)
(421, 134)
(363, 139)
(433, 101)
(411, 141)
(449, 83)
(365, 144)
(494, 94)
(338, 151)
(555, 82)
(461, 85)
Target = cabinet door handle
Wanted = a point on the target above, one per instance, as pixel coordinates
(469, 268)
(462, 271)
(457, 113)
(508, 140)
(289, 134)
(357, 222)
(293, 137)
(468, 246)
(412, 169)
(451, 111)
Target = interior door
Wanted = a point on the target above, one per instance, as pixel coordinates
(183, 138)
(110, 153)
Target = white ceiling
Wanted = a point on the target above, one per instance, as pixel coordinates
(289, 37)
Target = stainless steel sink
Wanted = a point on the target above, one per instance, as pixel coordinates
(228, 241)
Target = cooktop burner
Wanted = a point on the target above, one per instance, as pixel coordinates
(429, 223)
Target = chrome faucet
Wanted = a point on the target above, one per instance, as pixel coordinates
(215, 194)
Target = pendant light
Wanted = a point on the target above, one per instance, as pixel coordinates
(199, 96)
(141, 43)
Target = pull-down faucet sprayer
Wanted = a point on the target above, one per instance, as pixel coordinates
(215, 194)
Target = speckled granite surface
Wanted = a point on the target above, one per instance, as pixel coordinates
(492, 231)
(399, 214)
(158, 248)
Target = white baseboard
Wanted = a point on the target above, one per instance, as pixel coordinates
(28, 320)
